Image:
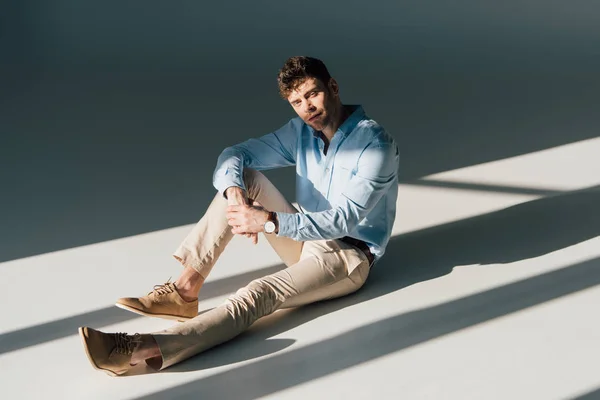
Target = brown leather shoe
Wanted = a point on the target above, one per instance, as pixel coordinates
(163, 302)
(109, 352)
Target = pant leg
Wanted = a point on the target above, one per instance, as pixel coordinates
(326, 269)
(209, 237)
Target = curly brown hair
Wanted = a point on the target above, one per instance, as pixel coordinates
(296, 70)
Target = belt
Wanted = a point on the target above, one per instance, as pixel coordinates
(359, 244)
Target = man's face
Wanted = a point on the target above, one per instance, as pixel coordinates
(315, 102)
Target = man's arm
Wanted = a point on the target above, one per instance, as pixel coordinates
(274, 150)
(377, 170)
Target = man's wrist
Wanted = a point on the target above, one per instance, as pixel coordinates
(273, 217)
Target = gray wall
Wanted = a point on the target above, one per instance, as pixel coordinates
(112, 113)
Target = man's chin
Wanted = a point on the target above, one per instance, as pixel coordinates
(316, 125)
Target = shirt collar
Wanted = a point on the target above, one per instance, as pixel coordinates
(357, 113)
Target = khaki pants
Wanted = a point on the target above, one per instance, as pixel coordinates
(316, 270)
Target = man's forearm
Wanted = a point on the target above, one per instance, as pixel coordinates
(323, 225)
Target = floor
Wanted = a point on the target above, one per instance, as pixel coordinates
(489, 290)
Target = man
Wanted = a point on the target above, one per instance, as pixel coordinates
(347, 186)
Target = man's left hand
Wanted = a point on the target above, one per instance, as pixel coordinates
(246, 219)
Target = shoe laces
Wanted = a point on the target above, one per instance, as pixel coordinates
(125, 344)
(165, 288)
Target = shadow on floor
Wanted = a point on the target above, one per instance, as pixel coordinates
(42, 333)
(593, 395)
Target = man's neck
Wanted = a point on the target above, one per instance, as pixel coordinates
(342, 113)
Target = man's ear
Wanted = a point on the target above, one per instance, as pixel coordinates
(333, 86)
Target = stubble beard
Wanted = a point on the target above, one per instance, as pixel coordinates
(320, 123)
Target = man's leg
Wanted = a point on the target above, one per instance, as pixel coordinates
(201, 249)
(327, 269)
(317, 270)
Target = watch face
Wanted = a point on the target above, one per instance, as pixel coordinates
(269, 227)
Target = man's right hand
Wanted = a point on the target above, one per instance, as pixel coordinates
(237, 196)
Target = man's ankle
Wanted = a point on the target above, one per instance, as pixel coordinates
(145, 350)
(189, 283)
(188, 294)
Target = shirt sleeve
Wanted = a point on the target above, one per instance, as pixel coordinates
(273, 150)
(377, 170)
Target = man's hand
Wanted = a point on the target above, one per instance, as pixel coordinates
(247, 219)
(237, 196)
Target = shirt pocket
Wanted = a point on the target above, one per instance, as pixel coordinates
(343, 170)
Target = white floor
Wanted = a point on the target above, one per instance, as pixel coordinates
(490, 290)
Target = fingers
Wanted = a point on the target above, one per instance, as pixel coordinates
(239, 224)
(241, 230)
(234, 218)
(238, 208)
(245, 231)
(234, 215)
(243, 221)
(252, 236)
(240, 216)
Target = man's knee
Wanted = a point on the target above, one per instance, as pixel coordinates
(253, 178)
(259, 297)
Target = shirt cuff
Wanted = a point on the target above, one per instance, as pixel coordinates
(287, 224)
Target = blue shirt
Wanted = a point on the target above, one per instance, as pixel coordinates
(349, 191)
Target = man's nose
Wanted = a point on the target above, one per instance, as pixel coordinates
(310, 107)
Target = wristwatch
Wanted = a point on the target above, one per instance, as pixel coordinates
(270, 225)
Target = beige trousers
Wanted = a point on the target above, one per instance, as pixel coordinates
(316, 270)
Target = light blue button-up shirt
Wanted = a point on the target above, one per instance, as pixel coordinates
(349, 191)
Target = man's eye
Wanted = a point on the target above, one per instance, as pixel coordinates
(313, 94)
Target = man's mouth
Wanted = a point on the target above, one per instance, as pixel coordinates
(314, 116)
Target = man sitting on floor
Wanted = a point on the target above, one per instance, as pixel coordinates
(347, 186)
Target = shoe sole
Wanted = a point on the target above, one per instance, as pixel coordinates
(164, 316)
(89, 356)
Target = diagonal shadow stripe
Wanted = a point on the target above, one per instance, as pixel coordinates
(593, 395)
(385, 337)
(64, 327)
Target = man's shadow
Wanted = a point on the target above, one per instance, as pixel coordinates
(519, 232)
